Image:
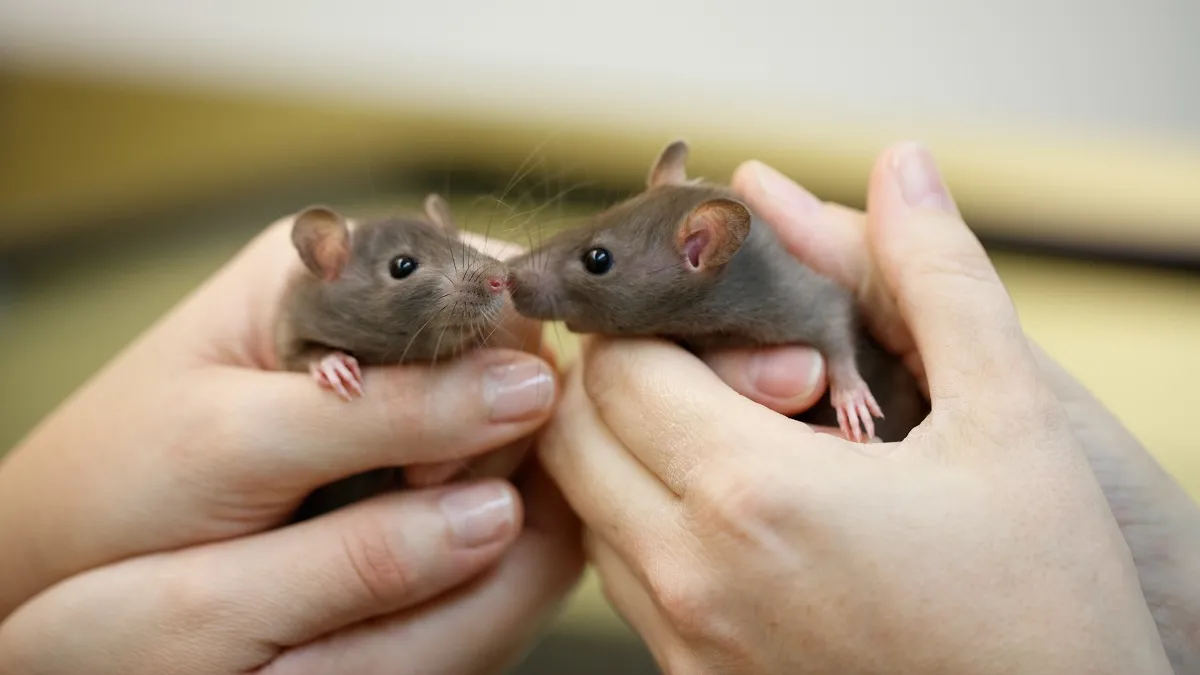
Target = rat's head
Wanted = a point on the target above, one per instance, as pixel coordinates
(408, 284)
(629, 268)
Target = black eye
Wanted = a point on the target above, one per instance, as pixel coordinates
(597, 261)
(402, 266)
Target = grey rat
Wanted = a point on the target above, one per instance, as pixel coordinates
(686, 260)
(381, 292)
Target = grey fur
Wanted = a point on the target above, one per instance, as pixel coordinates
(763, 296)
(439, 311)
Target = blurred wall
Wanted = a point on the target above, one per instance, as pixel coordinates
(1061, 121)
(1107, 65)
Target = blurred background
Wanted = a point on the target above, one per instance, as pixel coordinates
(143, 142)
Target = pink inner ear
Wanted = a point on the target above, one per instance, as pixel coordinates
(694, 246)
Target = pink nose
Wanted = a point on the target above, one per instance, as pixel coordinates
(496, 285)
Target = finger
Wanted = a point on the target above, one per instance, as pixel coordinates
(826, 237)
(948, 292)
(235, 606)
(281, 430)
(788, 380)
(672, 412)
(499, 463)
(606, 485)
(480, 627)
(627, 593)
(369, 560)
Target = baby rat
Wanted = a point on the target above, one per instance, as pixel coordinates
(382, 292)
(686, 260)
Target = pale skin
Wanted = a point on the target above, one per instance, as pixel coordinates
(186, 494)
(140, 523)
(735, 540)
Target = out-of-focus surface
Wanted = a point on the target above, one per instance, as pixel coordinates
(1056, 121)
(141, 143)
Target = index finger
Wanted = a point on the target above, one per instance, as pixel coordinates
(672, 411)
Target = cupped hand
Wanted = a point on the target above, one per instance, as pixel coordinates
(377, 587)
(735, 540)
(1158, 519)
(190, 437)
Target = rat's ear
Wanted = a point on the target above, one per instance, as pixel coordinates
(438, 212)
(671, 166)
(712, 233)
(322, 238)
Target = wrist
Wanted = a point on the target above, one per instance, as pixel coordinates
(1170, 581)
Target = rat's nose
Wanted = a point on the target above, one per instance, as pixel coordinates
(496, 284)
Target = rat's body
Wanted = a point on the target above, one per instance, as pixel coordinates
(381, 293)
(685, 260)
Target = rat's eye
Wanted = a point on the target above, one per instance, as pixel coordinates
(597, 261)
(401, 266)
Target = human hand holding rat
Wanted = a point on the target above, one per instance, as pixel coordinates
(736, 540)
(1160, 522)
(183, 452)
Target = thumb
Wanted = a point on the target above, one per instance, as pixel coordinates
(962, 319)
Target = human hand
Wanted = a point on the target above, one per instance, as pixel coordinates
(188, 437)
(736, 540)
(1159, 521)
(367, 589)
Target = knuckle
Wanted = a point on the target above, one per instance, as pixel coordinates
(686, 599)
(404, 402)
(735, 500)
(678, 660)
(610, 372)
(378, 561)
(189, 592)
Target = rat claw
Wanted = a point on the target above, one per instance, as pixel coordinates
(848, 418)
(856, 407)
(872, 405)
(868, 424)
(347, 375)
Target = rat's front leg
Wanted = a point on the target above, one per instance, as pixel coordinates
(851, 397)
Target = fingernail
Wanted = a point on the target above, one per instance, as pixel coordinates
(518, 390)
(920, 181)
(479, 514)
(790, 375)
(783, 190)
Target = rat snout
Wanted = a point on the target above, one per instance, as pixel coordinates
(496, 284)
(530, 294)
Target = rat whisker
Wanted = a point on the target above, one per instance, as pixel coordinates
(412, 340)
(450, 249)
(527, 164)
(437, 346)
(661, 270)
(497, 325)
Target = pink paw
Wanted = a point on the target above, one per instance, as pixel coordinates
(340, 373)
(855, 408)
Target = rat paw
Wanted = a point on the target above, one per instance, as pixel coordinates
(340, 373)
(856, 407)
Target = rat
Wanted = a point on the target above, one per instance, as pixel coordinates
(687, 261)
(382, 292)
